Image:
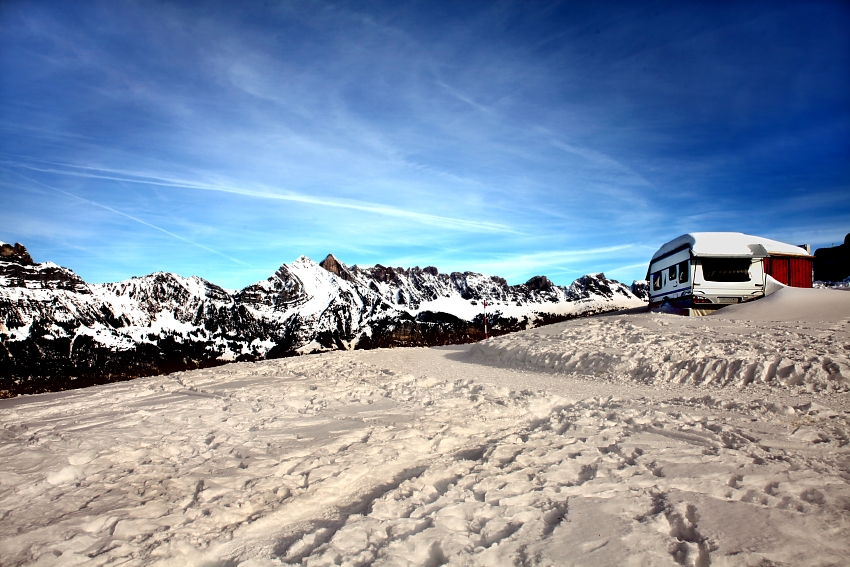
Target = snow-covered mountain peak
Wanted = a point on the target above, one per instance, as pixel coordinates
(303, 260)
(194, 285)
(55, 322)
(17, 270)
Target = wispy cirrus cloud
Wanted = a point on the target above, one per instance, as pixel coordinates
(626, 269)
(138, 220)
(272, 194)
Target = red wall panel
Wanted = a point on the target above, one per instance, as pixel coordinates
(778, 268)
(795, 272)
(801, 272)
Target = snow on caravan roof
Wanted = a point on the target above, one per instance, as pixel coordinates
(729, 244)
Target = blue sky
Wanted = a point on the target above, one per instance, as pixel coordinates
(510, 138)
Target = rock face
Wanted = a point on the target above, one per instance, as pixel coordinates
(58, 332)
(16, 253)
(833, 264)
(18, 270)
(334, 266)
(641, 289)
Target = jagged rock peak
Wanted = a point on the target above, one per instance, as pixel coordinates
(16, 253)
(17, 269)
(334, 266)
(541, 283)
(384, 274)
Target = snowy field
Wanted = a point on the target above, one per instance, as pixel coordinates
(622, 439)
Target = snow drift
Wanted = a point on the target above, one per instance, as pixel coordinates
(777, 341)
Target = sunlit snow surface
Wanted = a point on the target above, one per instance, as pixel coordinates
(623, 439)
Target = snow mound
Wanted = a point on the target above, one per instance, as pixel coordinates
(659, 348)
(791, 304)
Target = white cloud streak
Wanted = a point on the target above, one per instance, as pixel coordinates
(463, 98)
(375, 208)
(140, 221)
(629, 268)
(602, 160)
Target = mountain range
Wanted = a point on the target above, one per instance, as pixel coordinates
(59, 332)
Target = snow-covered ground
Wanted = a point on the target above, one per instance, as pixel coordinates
(622, 439)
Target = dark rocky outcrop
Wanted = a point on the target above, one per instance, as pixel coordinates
(832, 264)
(641, 289)
(334, 266)
(539, 283)
(16, 253)
(17, 269)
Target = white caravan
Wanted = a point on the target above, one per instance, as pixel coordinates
(703, 271)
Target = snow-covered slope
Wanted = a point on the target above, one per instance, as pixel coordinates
(736, 346)
(57, 331)
(434, 456)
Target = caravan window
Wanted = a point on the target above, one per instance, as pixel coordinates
(671, 273)
(684, 271)
(656, 281)
(726, 269)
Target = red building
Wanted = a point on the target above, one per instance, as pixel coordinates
(795, 271)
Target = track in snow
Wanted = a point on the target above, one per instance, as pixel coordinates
(439, 456)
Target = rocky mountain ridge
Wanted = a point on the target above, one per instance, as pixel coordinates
(58, 332)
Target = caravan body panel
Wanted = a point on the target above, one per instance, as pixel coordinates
(671, 277)
(708, 270)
